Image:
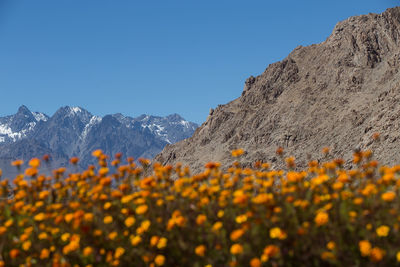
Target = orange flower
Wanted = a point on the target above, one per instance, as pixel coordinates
(135, 240)
(39, 217)
(383, 230)
(31, 172)
(388, 196)
(108, 219)
(141, 209)
(159, 260)
(17, 163)
(130, 221)
(87, 251)
(3, 230)
(34, 163)
(201, 218)
(321, 218)
(97, 153)
(44, 254)
(365, 247)
(14, 253)
(74, 160)
(235, 235)
(271, 251)
(279, 151)
(255, 262)
(216, 226)
(236, 249)
(237, 152)
(200, 250)
(119, 252)
(377, 254)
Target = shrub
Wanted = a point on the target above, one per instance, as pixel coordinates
(323, 215)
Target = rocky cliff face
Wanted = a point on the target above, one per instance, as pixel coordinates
(337, 94)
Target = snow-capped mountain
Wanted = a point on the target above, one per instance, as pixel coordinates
(20, 125)
(73, 131)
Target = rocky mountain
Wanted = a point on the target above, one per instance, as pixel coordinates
(336, 94)
(73, 131)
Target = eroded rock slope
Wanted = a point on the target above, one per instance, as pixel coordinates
(336, 93)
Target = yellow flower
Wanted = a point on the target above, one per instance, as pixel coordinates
(119, 252)
(398, 256)
(321, 218)
(130, 221)
(383, 230)
(200, 250)
(141, 209)
(236, 249)
(159, 260)
(365, 247)
(107, 219)
(388, 196)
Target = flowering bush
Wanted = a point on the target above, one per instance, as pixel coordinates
(323, 215)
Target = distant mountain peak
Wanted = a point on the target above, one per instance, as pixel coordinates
(74, 131)
(23, 109)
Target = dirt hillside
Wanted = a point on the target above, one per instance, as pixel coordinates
(336, 93)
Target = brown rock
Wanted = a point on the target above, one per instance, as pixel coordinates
(336, 94)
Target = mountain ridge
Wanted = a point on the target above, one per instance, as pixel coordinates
(75, 132)
(336, 93)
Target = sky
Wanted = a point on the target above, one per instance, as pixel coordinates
(151, 57)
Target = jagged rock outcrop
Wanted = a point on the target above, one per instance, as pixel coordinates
(336, 93)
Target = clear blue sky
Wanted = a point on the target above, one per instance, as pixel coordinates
(153, 57)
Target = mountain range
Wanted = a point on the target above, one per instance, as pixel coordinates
(75, 132)
(335, 94)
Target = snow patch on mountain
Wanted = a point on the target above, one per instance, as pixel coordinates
(74, 110)
(39, 116)
(6, 131)
(93, 121)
